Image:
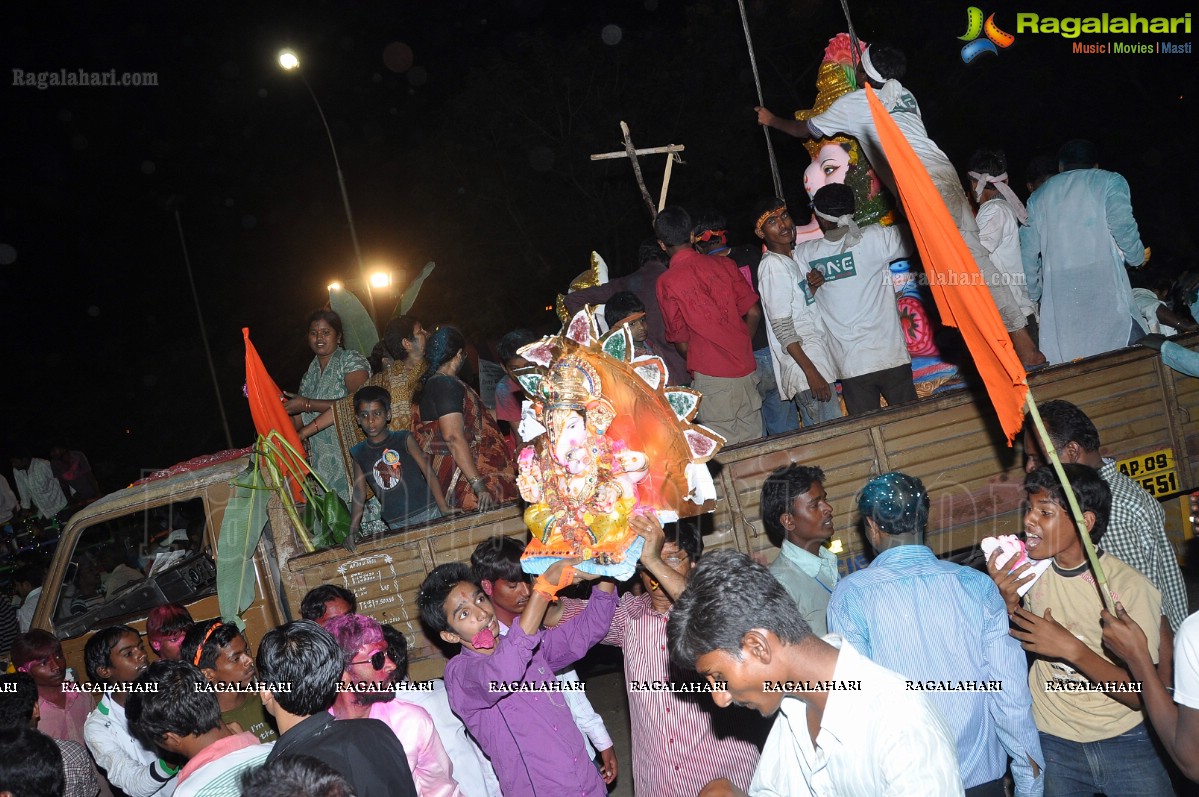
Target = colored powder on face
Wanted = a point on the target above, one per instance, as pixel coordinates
(484, 640)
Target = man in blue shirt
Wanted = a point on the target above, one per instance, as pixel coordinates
(945, 627)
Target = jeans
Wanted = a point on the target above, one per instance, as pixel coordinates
(778, 416)
(1123, 766)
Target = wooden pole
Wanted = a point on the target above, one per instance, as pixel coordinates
(670, 151)
(631, 151)
(665, 182)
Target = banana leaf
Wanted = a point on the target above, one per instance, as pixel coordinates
(241, 528)
(358, 328)
(410, 293)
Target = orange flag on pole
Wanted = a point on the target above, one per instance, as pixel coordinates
(266, 408)
(957, 285)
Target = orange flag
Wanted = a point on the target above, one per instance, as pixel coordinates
(267, 410)
(957, 285)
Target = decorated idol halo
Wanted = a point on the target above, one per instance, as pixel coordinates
(607, 439)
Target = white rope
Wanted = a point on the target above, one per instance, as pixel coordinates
(753, 62)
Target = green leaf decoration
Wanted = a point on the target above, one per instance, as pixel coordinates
(241, 528)
(683, 402)
(358, 329)
(619, 344)
(410, 293)
(530, 382)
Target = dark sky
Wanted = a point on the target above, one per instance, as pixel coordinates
(463, 130)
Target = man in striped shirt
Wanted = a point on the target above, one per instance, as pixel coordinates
(680, 744)
(944, 626)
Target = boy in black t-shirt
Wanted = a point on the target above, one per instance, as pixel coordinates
(397, 470)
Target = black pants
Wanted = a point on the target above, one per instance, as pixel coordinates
(993, 788)
(861, 393)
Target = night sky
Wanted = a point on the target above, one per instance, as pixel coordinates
(464, 130)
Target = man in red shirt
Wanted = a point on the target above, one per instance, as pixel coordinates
(710, 313)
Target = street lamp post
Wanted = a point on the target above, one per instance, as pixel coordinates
(290, 62)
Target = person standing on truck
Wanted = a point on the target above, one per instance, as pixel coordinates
(882, 67)
(1080, 235)
(335, 372)
(458, 434)
(710, 313)
(850, 277)
(798, 338)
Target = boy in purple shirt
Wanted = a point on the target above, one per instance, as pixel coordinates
(504, 689)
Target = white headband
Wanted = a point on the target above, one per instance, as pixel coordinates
(1005, 191)
(868, 67)
(846, 222)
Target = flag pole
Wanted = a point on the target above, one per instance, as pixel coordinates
(1079, 521)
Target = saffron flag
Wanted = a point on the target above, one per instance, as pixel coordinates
(957, 285)
(266, 408)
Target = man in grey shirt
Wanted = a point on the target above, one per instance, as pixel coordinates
(799, 519)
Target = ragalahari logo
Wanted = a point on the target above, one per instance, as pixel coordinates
(995, 40)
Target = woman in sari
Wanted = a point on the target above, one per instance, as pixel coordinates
(455, 431)
(334, 373)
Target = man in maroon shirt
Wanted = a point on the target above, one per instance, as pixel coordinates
(710, 313)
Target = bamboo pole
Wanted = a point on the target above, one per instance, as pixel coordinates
(1105, 593)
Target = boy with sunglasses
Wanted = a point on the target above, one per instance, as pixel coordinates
(368, 690)
(222, 654)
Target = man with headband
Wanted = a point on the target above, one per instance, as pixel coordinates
(944, 627)
(857, 302)
(799, 349)
(1000, 215)
(882, 67)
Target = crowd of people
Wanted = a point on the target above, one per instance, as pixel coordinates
(914, 675)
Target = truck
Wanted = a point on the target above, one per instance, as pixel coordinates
(951, 441)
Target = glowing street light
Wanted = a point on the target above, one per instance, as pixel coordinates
(290, 62)
(381, 279)
(335, 286)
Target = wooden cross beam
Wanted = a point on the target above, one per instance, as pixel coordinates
(671, 151)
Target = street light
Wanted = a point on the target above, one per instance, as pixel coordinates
(334, 286)
(290, 62)
(381, 279)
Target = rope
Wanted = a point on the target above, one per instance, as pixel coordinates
(753, 62)
(853, 35)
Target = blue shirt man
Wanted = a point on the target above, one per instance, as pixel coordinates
(944, 627)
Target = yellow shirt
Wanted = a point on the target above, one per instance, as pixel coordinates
(1087, 716)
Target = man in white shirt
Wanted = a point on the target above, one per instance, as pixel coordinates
(803, 369)
(857, 301)
(882, 67)
(38, 487)
(846, 726)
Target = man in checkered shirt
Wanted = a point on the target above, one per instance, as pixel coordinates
(1136, 531)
